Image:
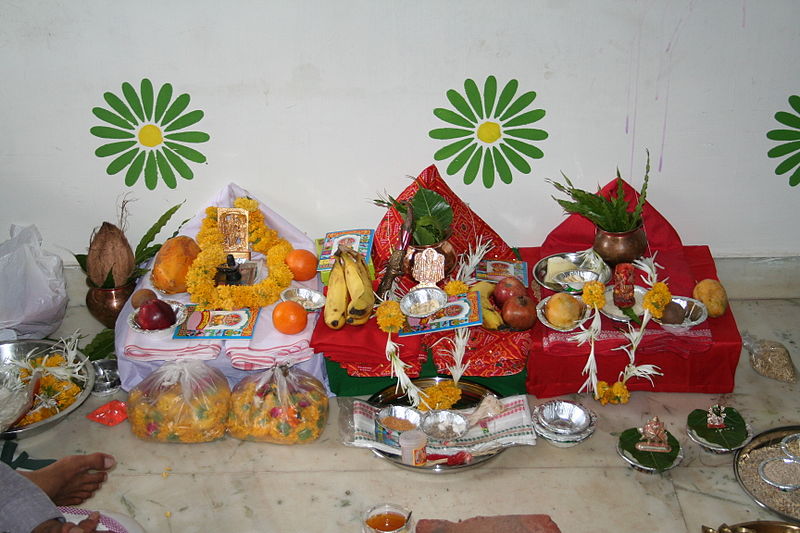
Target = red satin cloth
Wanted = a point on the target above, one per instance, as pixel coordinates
(692, 363)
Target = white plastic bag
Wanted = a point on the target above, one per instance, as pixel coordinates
(33, 294)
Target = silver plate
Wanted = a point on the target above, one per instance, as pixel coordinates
(584, 260)
(180, 316)
(471, 396)
(587, 314)
(648, 469)
(311, 300)
(614, 313)
(563, 417)
(444, 425)
(745, 466)
(716, 448)
(20, 351)
(432, 298)
(697, 314)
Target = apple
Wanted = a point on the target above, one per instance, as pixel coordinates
(155, 314)
(519, 312)
(508, 288)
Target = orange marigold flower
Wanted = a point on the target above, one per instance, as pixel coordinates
(455, 286)
(657, 299)
(390, 318)
(594, 294)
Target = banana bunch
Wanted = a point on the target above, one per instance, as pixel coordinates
(491, 316)
(350, 297)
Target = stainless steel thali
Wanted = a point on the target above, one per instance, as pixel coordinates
(584, 260)
(471, 395)
(745, 466)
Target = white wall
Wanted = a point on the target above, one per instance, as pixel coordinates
(316, 106)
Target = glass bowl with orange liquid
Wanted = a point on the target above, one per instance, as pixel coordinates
(387, 518)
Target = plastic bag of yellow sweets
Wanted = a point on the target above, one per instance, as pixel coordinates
(181, 401)
(282, 405)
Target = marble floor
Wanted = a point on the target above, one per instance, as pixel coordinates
(324, 486)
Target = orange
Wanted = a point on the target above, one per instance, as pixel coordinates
(302, 263)
(289, 317)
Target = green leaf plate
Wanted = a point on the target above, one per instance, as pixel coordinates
(736, 434)
(648, 462)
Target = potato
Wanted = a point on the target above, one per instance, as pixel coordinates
(563, 310)
(713, 295)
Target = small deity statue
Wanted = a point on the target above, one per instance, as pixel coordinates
(428, 267)
(716, 417)
(654, 437)
(230, 269)
(234, 225)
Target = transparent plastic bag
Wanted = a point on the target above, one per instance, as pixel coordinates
(181, 401)
(34, 296)
(282, 405)
(771, 359)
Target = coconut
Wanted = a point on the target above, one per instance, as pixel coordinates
(109, 251)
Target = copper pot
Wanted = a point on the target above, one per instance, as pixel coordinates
(106, 304)
(622, 247)
(443, 247)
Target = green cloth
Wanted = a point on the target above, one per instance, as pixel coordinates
(343, 384)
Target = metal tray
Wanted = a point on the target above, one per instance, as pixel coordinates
(580, 260)
(745, 466)
(21, 350)
(471, 395)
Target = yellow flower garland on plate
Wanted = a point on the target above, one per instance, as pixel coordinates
(200, 278)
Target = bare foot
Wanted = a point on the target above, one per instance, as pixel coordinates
(73, 479)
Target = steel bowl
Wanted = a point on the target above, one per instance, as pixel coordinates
(444, 425)
(180, 316)
(422, 302)
(106, 377)
(574, 280)
(563, 417)
(28, 349)
(391, 436)
(785, 463)
(584, 260)
(311, 300)
(695, 313)
(790, 445)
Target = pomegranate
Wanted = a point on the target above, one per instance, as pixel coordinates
(508, 288)
(519, 312)
(155, 314)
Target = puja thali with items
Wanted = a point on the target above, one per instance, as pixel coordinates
(443, 426)
(41, 382)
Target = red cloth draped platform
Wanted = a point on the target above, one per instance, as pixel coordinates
(704, 360)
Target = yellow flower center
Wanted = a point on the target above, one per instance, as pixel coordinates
(489, 132)
(150, 135)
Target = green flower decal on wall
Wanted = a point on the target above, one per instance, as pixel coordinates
(148, 135)
(791, 141)
(492, 132)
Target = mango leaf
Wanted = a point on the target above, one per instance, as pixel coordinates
(144, 251)
(423, 236)
(732, 435)
(101, 346)
(658, 460)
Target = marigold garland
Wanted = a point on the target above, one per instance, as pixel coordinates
(262, 239)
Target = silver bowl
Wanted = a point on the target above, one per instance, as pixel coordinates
(587, 313)
(391, 436)
(647, 469)
(695, 311)
(444, 425)
(106, 377)
(584, 260)
(21, 351)
(564, 417)
(422, 302)
(716, 448)
(180, 316)
(574, 280)
(311, 300)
